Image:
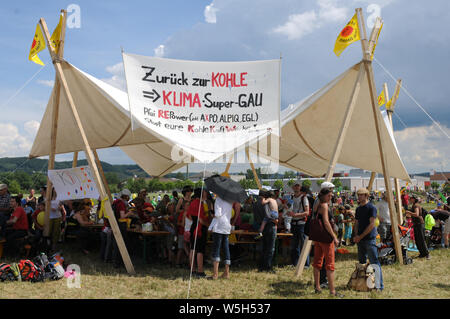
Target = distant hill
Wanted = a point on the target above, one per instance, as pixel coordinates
(35, 165)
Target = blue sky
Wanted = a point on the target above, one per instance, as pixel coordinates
(414, 45)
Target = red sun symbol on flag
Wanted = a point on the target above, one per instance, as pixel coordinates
(34, 43)
(348, 30)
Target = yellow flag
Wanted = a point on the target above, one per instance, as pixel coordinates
(389, 103)
(348, 35)
(376, 42)
(381, 99)
(55, 39)
(37, 46)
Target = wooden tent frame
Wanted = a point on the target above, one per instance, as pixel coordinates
(91, 155)
(365, 69)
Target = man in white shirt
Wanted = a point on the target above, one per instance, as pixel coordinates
(221, 229)
(384, 228)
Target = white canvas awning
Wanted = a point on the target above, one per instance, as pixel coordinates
(311, 127)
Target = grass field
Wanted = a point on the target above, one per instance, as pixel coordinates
(423, 279)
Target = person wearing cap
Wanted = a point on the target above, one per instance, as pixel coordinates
(418, 219)
(5, 207)
(366, 232)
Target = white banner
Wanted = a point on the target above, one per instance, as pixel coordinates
(206, 109)
(73, 183)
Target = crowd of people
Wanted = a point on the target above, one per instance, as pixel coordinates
(198, 216)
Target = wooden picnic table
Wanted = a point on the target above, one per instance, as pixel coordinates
(145, 235)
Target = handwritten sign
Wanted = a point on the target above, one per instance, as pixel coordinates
(73, 183)
(205, 108)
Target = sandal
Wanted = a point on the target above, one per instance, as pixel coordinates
(337, 295)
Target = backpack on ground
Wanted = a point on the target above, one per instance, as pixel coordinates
(362, 278)
(54, 270)
(7, 273)
(30, 272)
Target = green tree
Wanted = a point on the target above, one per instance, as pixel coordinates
(291, 182)
(14, 187)
(319, 182)
(248, 183)
(112, 178)
(289, 174)
(307, 183)
(24, 179)
(435, 185)
(337, 182)
(278, 184)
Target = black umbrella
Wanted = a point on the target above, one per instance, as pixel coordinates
(226, 188)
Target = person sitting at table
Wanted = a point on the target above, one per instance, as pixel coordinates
(81, 217)
(122, 213)
(17, 225)
(143, 210)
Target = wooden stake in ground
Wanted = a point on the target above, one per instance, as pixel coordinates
(390, 111)
(378, 122)
(336, 152)
(88, 152)
(54, 129)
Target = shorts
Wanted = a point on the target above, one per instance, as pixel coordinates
(446, 230)
(321, 251)
(272, 216)
(187, 236)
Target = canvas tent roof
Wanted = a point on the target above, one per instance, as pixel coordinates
(105, 117)
(311, 127)
(308, 135)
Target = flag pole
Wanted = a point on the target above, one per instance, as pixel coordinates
(54, 125)
(88, 151)
(378, 122)
(390, 111)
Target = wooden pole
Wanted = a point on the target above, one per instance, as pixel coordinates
(390, 111)
(102, 175)
(253, 168)
(75, 159)
(378, 122)
(226, 174)
(54, 129)
(89, 154)
(345, 124)
(371, 180)
(306, 249)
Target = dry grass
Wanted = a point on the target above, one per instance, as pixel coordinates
(424, 279)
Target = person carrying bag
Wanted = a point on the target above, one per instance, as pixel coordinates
(321, 232)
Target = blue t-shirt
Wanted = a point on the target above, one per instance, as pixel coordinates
(363, 214)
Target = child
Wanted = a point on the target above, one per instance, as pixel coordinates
(348, 225)
(271, 211)
(287, 218)
(340, 223)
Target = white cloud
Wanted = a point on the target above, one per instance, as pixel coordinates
(299, 25)
(159, 51)
(31, 127)
(423, 148)
(210, 13)
(12, 143)
(49, 83)
(118, 76)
